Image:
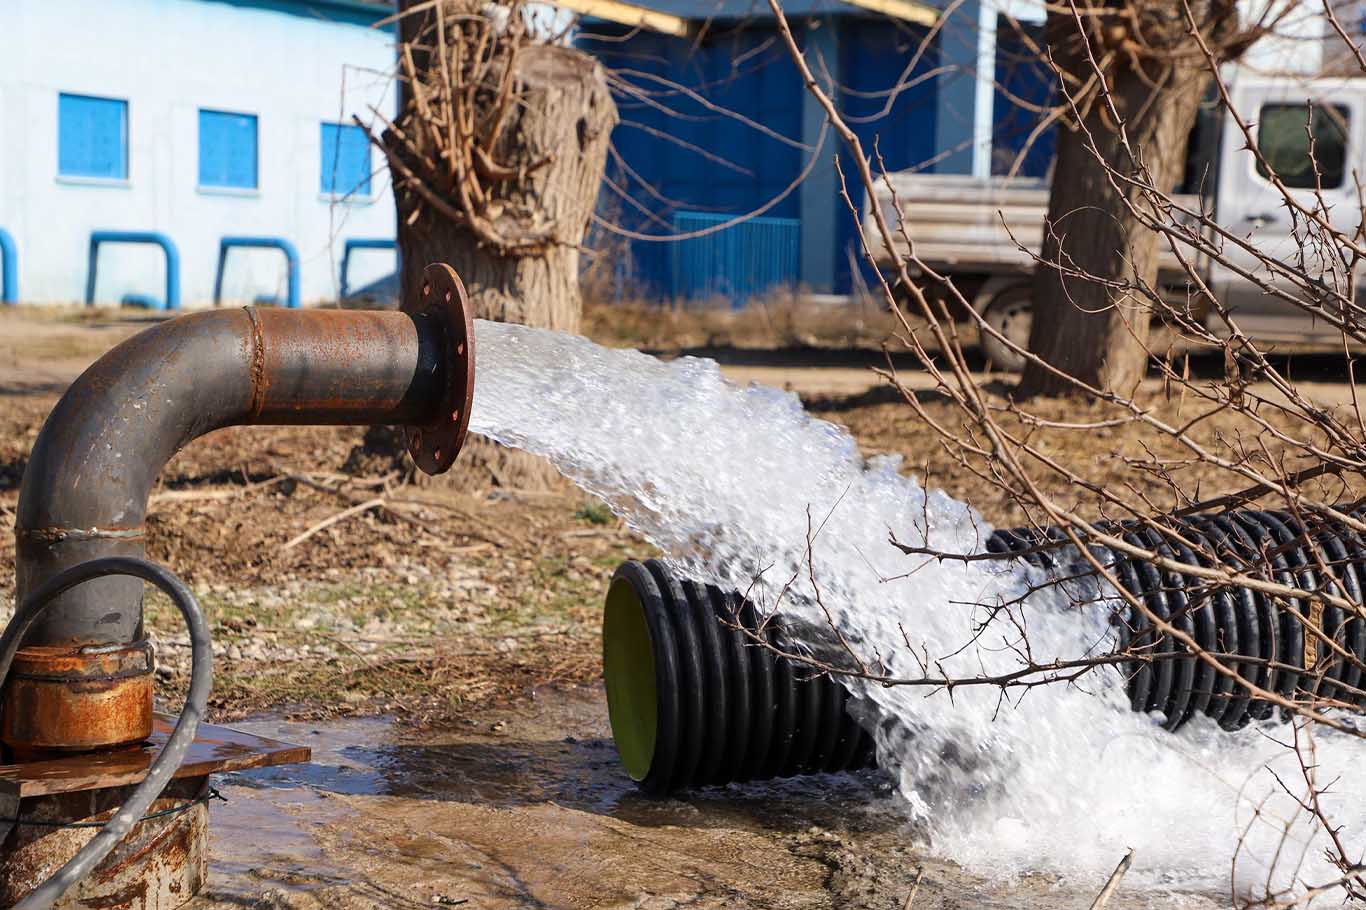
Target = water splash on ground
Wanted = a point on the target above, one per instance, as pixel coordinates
(733, 482)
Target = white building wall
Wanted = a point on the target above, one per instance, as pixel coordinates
(168, 59)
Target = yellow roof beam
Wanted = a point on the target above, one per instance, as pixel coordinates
(635, 16)
(900, 9)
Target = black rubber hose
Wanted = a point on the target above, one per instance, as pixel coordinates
(702, 616)
(784, 718)
(1356, 628)
(1200, 611)
(809, 703)
(667, 728)
(762, 697)
(730, 709)
(1133, 625)
(1159, 646)
(1333, 554)
(1253, 630)
(168, 760)
(739, 687)
(1288, 633)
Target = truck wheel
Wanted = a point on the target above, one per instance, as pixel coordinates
(1010, 312)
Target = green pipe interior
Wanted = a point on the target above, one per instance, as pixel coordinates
(628, 665)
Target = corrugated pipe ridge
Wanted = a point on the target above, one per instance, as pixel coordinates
(725, 709)
(696, 702)
(1280, 655)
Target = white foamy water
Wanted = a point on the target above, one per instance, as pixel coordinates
(1063, 779)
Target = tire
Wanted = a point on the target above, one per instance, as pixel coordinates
(1011, 313)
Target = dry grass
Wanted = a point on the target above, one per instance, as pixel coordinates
(780, 320)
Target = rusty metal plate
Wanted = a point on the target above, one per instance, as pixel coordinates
(434, 446)
(215, 749)
(160, 865)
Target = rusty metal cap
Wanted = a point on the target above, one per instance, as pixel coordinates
(68, 699)
(58, 662)
(435, 445)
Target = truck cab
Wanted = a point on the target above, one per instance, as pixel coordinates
(1286, 118)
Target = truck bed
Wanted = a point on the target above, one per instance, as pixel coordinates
(970, 224)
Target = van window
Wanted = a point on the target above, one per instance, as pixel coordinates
(1283, 133)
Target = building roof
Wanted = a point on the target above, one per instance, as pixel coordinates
(759, 9)
(352, 12)
(681, 17)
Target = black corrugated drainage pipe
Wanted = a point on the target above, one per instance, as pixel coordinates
(1235, 621)
(693, 702)
(83, 678)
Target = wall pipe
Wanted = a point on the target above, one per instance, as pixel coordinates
(172, 301)
(9, 269)
(86, 486)
(270, 243)
(358, 244)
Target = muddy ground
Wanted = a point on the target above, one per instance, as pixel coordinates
(439, 650)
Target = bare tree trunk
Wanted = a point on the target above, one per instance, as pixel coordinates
(564, 116)
(497, 155)
(1088, 321)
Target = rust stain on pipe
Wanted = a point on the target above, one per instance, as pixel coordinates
(74, 699)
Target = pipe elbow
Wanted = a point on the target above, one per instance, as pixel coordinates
(93, 465)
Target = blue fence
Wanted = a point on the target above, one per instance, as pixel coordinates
(273, 243)
(9, 269)
(172, 301)
(737, 262)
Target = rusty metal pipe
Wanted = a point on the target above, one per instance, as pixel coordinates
(92, 468)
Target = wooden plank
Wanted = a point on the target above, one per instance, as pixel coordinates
(628, 14)
(908, 10)
(215, 749)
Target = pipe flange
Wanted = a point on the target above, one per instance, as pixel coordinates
(434, 446)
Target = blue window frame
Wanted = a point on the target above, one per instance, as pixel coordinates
(92, 137)
(345, 160)
(227, 150)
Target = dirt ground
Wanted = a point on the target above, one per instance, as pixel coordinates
(468, 618)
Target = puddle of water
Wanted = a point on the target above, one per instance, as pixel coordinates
(308, 829)
(541, 814)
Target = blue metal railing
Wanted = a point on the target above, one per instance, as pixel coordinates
(360, 244)
(172, 301)
(9, 269)
(273, 243)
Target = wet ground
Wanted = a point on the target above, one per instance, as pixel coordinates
(528, 808)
